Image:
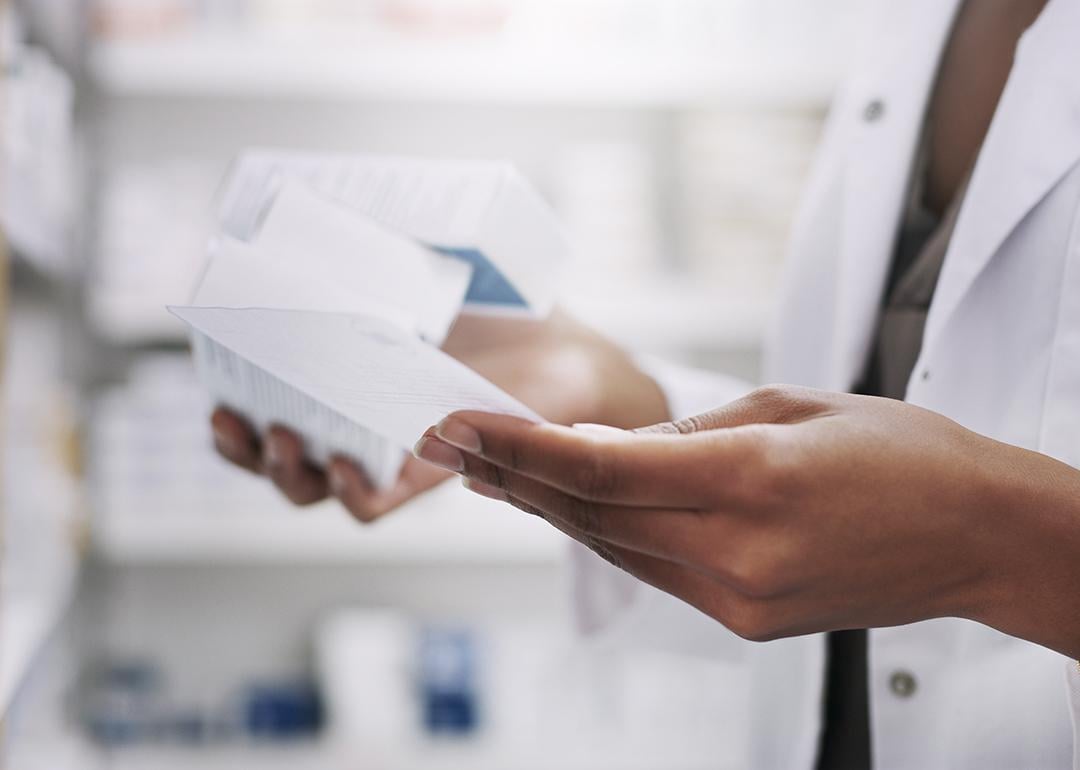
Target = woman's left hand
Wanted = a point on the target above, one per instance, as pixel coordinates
(794, 511)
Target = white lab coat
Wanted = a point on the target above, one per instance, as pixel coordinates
(1001, 356)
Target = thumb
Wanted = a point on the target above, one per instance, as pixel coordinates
(772, 405)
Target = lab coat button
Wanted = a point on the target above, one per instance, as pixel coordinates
(925, 374)
(903, 684)
(874, 111)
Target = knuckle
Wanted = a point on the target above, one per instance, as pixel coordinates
(500, 478)
(485, 472)
(769, 475)
(774, 394)
(516, 456)
(696, 424)
(749, 479)
(754, 574)
(584, 516)
(595, 479)
(789, 403)
(779, 474)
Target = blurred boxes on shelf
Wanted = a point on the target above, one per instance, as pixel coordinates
(535, 697)
(37, 171)
(607, 194)
(155, 19)
(743, 173)
(159, 492)
(155, 220)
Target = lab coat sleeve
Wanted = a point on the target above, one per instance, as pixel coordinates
(1073, 675)
(611, 604)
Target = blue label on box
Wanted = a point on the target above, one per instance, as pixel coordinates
(488, 286)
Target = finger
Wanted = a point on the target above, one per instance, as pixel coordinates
(283, 460)
(364, 501)
(749, 618)
(684, 537)
(746, 553)
(618, 467)
(770, 405)
(636, 563)
(235, 440)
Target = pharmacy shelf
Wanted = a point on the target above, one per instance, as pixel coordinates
(445, 526)
(658, 315)
(676, 314)
(379, 70)
(27, 622)
(448, 756)
(128, 319)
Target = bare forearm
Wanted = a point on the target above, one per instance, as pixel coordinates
(562, 368)
(1035, 591)
(624, 396)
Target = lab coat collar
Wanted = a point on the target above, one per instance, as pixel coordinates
(1033, 141)
(891, 95)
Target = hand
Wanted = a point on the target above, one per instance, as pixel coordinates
(794, 511)
(558, 367)
(280, 456)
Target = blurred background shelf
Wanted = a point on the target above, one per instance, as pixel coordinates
(446, 758)
(446, 526)
(40, 498)
(422, 71)
(673, 313)
(672, 137)
(29, 620)
(664, 314)
(129, 319)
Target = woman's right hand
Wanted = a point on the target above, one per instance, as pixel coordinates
(559, 368)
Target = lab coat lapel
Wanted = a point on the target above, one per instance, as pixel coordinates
(1033, 141)
(892, 89)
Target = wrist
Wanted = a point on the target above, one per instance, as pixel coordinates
(612, 389)
(629, 397)
(620, 394)
(1032, 589)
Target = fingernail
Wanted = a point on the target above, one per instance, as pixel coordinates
(459, 434)
(440, 454)
(485, 490)
(336, 479)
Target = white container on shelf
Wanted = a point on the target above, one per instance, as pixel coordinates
(155, 222)
(364, 662)
(37, 169)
